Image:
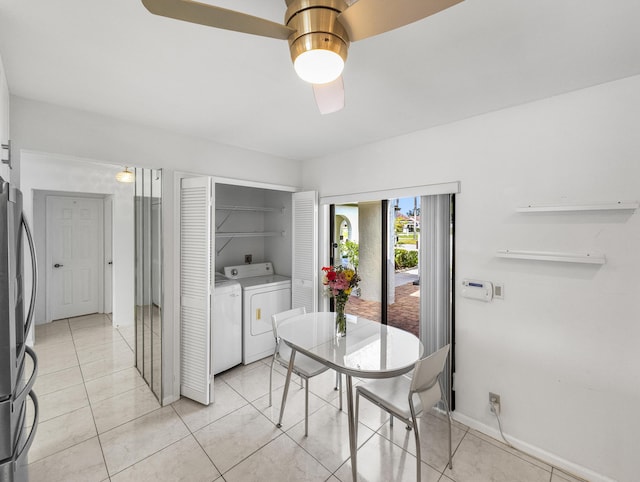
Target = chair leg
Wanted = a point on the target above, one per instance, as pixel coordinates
(357, 415)
(417, 437)
(306, 407)
(340, 388)
(391, 421)
(271, 378)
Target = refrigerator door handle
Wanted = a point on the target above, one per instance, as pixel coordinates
(17, 401)
(34, 276)
(32, 434)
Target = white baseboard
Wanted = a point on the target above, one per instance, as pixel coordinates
(534, 451)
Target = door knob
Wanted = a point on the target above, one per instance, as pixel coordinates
(58, 265)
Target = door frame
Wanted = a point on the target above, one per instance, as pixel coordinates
(101, 249)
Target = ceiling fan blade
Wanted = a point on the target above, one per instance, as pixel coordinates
(329, 96)
(367, 18)
(217, 17)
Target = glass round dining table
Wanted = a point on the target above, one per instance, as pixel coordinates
(369, 350)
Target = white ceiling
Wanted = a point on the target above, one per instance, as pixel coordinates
(115, 58)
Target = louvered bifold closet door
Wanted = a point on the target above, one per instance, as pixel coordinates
(304, 283)
(195, 286)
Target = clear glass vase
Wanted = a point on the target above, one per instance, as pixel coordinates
(341, 317)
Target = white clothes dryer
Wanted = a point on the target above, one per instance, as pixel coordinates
(264, 293)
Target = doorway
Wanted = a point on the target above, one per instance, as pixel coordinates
(75, 255)
(404, 254)
(380, 239)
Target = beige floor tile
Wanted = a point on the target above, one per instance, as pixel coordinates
(54, 358)
(370, 415)
(183, 461)
(280, 460)
(99, 335)
(324, 386)
(380, 460)
(52, 333)
(134, 441)
(63, 401)
(560, 476)
(89, 321)
(108, 350)
(123, 408)
(253, 383)
(81, 463)
(434, 438)
(128, 332)
(511, 450)
(328, 439)
(113, 384)
(477, 461)
(196, 415)
(55, 381)
(239, 369)
(294, 407)
(61, 433)
(106, 366)
(232, 438)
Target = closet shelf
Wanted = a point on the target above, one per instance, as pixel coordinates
(259, 209)
(612, 206)
(588, 258)
(261, 234)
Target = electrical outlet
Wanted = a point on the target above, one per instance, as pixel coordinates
(494, 403)
(248, 258)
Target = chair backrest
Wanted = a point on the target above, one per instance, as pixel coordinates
(425, 374)
(278, 318)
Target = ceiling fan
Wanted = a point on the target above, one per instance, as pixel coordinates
(318, 31)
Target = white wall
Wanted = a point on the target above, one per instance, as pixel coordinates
(38, 126)
(561, 348)
(44, 172)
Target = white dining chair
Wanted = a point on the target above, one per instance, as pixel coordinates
(396, 395)
(303, 366)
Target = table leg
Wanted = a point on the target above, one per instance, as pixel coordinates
(286, 387)
(353, 443)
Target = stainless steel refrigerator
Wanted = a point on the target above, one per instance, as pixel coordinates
(16, 382)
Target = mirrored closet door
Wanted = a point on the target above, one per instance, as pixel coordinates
(148, 259)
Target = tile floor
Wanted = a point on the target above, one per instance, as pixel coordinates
(99, 421)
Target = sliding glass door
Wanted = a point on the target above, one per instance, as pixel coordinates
(403, 250)
(381, 239)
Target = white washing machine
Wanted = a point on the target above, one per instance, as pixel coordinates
(226, 324)
(264, 293)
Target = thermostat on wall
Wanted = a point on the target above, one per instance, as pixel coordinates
(477, 290)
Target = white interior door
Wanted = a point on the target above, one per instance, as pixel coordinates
(74, 256)
(304, 279)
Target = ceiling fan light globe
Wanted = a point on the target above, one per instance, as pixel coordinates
(318, 66)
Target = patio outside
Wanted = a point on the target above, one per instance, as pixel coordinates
(404, 313)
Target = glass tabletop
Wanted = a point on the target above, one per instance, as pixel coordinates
(369, 350)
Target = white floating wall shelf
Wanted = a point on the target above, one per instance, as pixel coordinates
(612, 206)
(588, 258)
